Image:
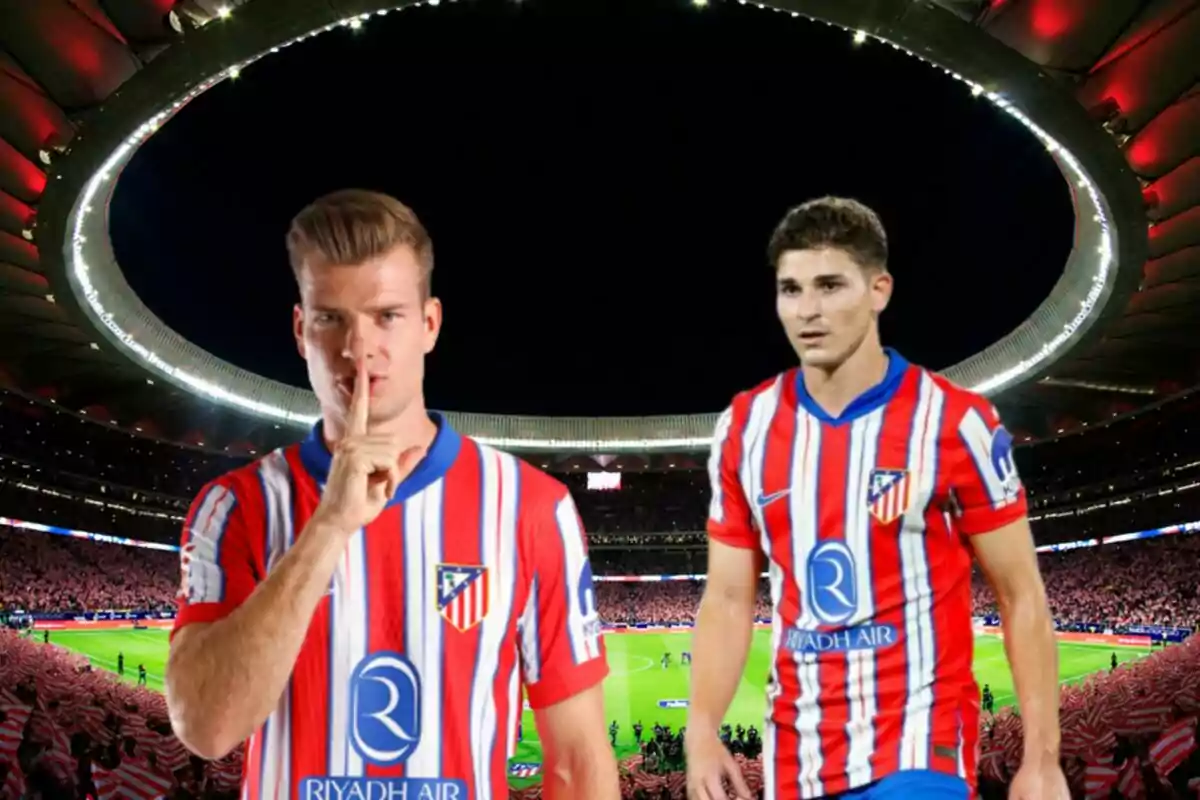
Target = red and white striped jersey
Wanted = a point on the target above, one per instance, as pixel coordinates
(473, 581)
(865, 521)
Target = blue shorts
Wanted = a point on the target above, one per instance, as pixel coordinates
(918, 783)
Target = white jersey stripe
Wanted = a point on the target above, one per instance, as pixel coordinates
(503, 591)
(716, 511)
(922, 467)
(804, 508)
(422, 630)
(276, 480)
(205, 578)
(484, 669)
(978, 439)
(860, 689)
(527, 631)
(582, 621)
(754, 448)
(754, 440)
(348, 646)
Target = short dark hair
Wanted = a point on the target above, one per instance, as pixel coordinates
(832, 222)
(351, 226)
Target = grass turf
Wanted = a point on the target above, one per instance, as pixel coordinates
(637, 682)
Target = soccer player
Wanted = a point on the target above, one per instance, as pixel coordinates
(364, 606)
(866, 484)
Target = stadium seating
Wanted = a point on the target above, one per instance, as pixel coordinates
(70, 725)
(60, 468)
(66, 730)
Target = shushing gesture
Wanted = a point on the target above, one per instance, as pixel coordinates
(367, 467)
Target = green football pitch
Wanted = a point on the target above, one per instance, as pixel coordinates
(637, 683)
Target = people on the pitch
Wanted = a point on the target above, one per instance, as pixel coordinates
(612, 732)
(120, 663)
(141, 674)
(685, 658)
(637, 733)
(989, 700)
(666, 660)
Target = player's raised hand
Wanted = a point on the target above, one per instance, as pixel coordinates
(710, 766)
(367, 467)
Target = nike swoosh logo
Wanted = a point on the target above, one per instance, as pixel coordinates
(765, 500)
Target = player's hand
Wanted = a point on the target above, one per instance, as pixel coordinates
(1039, 780)
(710, 766)
(367, 468)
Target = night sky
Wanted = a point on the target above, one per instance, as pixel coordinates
(600, 179)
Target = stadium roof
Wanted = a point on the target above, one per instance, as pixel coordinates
(1111, 88)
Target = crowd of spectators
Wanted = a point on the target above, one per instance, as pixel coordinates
(69, 732)
(1145, 582)
(65, 730)
(46, 573)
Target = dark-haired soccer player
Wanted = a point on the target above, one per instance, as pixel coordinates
(868, 483)
(365, 605)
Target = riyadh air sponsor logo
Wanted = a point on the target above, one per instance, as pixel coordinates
(382, 789)
(859, 637)
(385, 729)
(832, 583)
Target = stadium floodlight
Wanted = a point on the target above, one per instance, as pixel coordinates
(1090, 205)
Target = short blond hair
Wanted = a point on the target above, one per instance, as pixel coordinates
(351, 226)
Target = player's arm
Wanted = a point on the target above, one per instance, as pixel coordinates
(721, 641)
(237, 638)
(1009, 561)
(725, 619)
(991, 512)
(579, 757)
(563, 659)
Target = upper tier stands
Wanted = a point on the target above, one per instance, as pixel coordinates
(62, 469)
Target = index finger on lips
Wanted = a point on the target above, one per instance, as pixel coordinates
(360, 400)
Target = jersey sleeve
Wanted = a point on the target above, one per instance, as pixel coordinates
(216, 558)
(729, 519)
(988, 493)
(562, 650)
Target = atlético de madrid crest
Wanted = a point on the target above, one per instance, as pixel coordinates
(462, 594)
(889, 494)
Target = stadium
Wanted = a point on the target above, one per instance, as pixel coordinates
(111, 421)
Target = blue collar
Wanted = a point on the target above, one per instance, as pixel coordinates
(437, 460)
(870, 400)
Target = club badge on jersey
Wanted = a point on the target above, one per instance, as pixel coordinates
(462, 594)
(889, 494)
